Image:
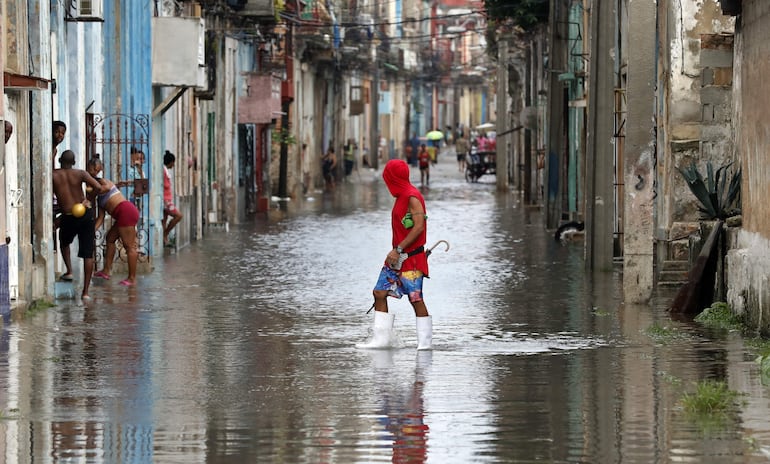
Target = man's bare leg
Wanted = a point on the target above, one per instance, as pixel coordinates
(420, 310)
(381, 300)
(65, 255)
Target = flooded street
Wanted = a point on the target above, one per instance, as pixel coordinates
(241, 348)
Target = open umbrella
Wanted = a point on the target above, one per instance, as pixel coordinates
(486, 125)
(435, 135)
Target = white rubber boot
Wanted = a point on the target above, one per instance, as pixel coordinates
(383, 325)
(424, 332)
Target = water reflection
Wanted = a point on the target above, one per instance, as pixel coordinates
(402, 414)
(241, 349)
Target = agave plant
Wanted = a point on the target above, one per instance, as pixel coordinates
(719, 197)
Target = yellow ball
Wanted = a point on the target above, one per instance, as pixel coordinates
(78, 210)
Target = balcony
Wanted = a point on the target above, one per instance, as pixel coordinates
(262, 100)
(178, 51)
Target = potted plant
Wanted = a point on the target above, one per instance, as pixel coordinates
(719, 198)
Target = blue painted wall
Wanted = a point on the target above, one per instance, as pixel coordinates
(127, 57)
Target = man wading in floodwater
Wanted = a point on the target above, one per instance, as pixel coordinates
(68, 187)
(406, 264)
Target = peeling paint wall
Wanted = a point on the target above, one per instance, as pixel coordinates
(753, 141)
(680, 107)
(749, 258)
(748, 290)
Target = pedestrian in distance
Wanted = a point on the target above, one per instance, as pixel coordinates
(77, 218)
(408, 153)
(461, 147)
(406, 264)
(328, 164)
(125, 216)
(365, 155)
(349, 156)
(171, 215)
(414, 142)
(424, 160)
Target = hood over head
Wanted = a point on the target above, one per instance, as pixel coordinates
(396, 176)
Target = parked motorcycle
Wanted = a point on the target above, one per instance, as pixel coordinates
(479, 163)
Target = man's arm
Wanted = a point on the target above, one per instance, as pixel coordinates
(93, 183)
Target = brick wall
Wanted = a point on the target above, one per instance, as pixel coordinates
(716, 135)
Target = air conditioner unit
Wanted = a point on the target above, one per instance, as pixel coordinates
(84, 10)
(258, 9)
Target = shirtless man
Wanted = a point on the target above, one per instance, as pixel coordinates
(68, 187)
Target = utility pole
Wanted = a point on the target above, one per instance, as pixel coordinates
(286, 100)
(557, 64)
(529, 82)
(408, 118)
(501, 155)
(639, 155)
(600, 173)
(284, 159)
(374, 126)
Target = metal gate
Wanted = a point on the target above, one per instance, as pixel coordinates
(246, 167)
(121, 141)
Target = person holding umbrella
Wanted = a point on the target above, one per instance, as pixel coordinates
(406, 264)
(435, 137)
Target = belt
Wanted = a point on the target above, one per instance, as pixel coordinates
(416, 251)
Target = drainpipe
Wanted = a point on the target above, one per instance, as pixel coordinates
(374, 129)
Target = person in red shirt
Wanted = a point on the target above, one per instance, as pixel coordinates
(406, 264)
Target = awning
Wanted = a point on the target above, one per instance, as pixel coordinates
(390, 66)
(21, 82)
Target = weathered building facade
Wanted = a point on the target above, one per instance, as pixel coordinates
(680, 85)
(748, 260)
(247, 94)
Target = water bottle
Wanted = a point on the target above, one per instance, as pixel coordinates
(401, 258)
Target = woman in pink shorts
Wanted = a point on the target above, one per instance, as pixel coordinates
(125, 217)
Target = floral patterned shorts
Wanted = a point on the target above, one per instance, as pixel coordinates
(399, 284)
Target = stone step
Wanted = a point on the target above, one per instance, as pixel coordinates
(673, 273)
(669, 284)
(64, 290)
(672, 276)
(675, 265)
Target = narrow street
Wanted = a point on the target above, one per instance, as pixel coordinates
(241, 348)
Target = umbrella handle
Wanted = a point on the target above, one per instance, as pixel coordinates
(430, 250)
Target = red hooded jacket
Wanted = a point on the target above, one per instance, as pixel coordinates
(396, 176)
